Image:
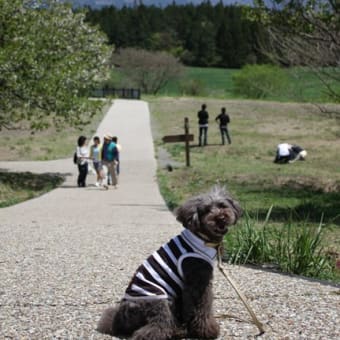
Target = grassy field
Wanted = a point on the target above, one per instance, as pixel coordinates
(214, 82)
(302, 85)
(50, 144)
(303, 192)
(17, 145)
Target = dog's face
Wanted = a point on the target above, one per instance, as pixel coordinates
(209, 215)
(215, 220)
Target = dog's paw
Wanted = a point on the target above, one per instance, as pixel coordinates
(205, 329)
(151, 332)
(105, 323)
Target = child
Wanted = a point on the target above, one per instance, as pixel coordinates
(96, 155)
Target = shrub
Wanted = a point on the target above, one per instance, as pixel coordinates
(259, 81)
(193, 87)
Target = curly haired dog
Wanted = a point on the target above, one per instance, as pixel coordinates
(170, 294)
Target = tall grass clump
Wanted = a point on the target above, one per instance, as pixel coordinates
(295, 249)
(249, 244)
(299, 250)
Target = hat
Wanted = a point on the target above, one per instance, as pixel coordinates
(108, 136)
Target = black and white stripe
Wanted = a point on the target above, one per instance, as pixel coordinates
(160, 275)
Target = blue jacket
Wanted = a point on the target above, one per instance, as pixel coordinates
(109, 152)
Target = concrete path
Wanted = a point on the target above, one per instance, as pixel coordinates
(68, 254)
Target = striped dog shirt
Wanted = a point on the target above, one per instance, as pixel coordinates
(161, 276)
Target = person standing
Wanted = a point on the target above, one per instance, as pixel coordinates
(109, 154)
(224, 120)
(82, 161)
(119, 148)
(203, 119)
(96, 156)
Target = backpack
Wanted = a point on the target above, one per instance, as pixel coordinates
(75, 158)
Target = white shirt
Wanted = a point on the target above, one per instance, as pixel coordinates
(82, 152)
(283, 149)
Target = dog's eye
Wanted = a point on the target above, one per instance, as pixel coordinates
(222, 205)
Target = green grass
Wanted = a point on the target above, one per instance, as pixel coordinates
(303, 85)
(19, 187)
(215, 82)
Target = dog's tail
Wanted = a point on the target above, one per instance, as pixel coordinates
(106, 321)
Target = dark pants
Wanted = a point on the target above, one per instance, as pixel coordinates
(83, 170)
(203, 138)
(224, 131)
(282, 159)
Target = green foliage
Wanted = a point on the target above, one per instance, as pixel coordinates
(49, 59)
(200, 35)
(302, 33)
(291, 249)
(259, 81)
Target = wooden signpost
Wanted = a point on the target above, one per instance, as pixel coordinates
(182, 138)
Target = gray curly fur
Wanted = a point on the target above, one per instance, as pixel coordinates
(208, 216)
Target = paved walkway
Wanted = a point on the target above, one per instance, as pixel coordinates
(68, 254)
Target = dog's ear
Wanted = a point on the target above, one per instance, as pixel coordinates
(235, 205)
(188, 215)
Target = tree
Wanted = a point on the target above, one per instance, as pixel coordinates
(304, 33)
(200, 35)
(49, 58)
(150, 71)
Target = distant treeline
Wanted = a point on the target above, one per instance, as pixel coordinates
(203, 35)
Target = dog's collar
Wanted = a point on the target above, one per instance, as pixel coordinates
(207, 242)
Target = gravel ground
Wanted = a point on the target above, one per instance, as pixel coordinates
(68, 254)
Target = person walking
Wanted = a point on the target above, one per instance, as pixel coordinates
(82, 161)
(224, 120)
(109, 155)
(203, 119)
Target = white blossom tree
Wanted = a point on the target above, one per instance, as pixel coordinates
(49, 58)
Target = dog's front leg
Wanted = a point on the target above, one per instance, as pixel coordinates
(198, 298)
